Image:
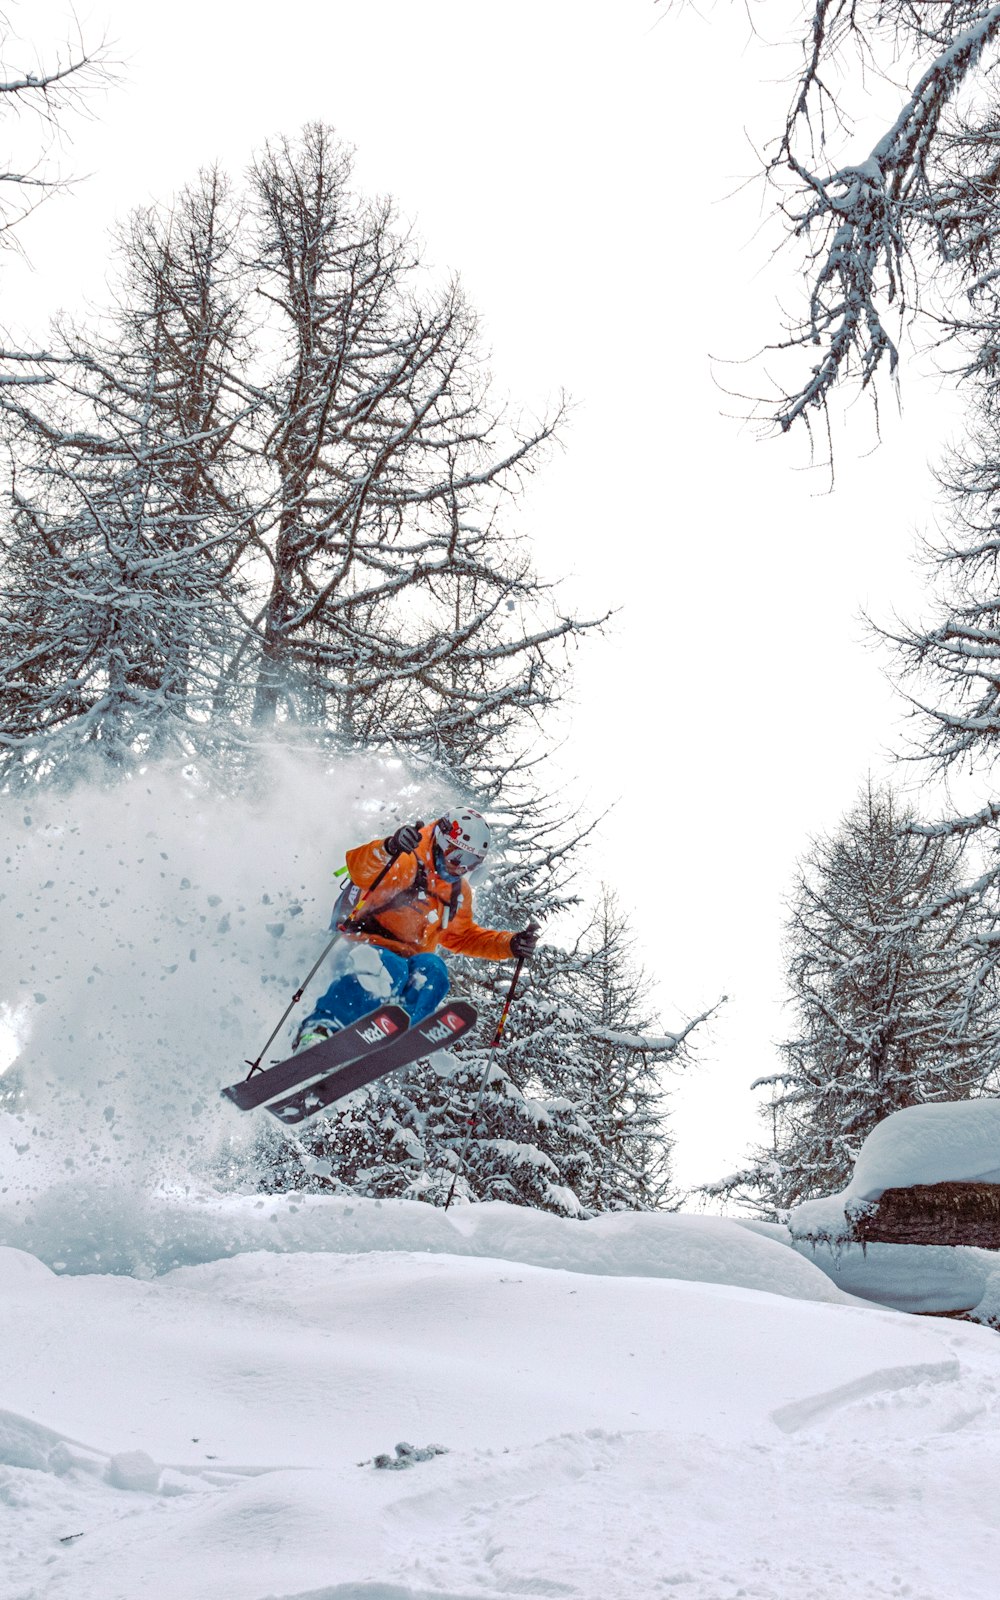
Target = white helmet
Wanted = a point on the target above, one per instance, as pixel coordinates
(463, 839)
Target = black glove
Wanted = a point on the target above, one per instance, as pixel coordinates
(523, 944)
(404, 841)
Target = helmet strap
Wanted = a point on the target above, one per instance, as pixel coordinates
(441, 866)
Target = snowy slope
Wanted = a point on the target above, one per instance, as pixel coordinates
(208, 1434)
(86, 1224)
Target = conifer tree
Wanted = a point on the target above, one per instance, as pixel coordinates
(878, 979)
(623, 1083)
(121, 557)
(950, 666)
(395, 593)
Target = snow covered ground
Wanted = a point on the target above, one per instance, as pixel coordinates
(620, 1415)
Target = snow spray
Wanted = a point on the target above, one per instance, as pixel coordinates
(151, 931)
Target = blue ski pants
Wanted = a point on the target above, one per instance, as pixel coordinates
(366, 976)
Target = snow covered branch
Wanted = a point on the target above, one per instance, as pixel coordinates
(64, 86)
(869, 229)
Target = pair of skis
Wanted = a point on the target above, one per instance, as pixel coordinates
(358, 1055)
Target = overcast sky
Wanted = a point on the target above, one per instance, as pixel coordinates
(582, 165)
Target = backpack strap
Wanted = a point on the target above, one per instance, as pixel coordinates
(452, 904)
(370, 923)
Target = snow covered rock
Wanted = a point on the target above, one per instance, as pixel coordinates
(407, 1455)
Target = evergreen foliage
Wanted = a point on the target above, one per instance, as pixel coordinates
(949, 670)
(624, 1095)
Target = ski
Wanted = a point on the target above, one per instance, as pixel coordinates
(445, 1027)
(358, 1039)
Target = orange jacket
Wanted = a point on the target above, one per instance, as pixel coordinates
(415, 909)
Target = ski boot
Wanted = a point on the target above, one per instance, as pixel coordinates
(312, 1032)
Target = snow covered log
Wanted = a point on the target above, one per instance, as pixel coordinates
(932, 1213)
(929, 1174)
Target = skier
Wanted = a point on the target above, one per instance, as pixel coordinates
(388, 951)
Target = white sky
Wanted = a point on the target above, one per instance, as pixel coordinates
(579, 162)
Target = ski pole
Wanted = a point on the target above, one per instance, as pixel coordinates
(486, 1073)
(297, 996)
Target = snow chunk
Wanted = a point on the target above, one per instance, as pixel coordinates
(26, 1443)
(20, 1270)
(134, 1469)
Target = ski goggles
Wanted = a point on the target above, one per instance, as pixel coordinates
(458, 860)
(461, 860)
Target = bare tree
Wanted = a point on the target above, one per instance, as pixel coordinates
(321, 415)
(122, 569)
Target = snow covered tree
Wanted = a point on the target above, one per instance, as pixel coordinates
(950, 673)
(401, 1139)
(221, 524)
(336, 476)
(121, 561)
(913, 230)
(572, 1046)
(394, 598)
(878, 986)
(624, 1096)
(571, 1118)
